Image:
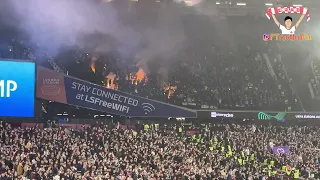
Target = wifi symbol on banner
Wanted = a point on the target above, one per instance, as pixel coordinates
(147, 107)
(264, 116)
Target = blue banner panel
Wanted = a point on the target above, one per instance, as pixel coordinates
(88, 95)
(17, 88)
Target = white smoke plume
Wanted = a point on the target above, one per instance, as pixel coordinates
(59, 23)
(53, 24)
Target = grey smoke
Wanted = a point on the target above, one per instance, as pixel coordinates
(53, 24)
(59, 23)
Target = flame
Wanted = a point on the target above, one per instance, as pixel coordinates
(132, 77)
(170, 89)
(110, 81)
(93, 67)
(140, 74)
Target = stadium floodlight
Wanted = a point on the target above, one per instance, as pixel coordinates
(241, 4)
(269, 4)
(217, 2)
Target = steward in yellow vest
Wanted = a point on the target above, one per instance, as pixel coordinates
(296, 174)
(146, 127)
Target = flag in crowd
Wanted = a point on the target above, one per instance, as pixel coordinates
(281, 149)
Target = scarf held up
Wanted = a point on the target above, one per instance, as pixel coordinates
(288, 10)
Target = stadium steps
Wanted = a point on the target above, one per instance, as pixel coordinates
(55, 66)
(297, 69)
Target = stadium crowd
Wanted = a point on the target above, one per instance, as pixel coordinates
(151, 152)
(222, 83)
(207, 72)
(228, 75)
(225, 79)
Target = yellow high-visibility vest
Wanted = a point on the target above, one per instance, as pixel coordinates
(134, 133)
(272, 163)
(252, 157)
(296, 174)
(265, 162)
(288, 173)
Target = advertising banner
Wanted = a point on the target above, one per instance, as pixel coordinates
(216, 114)
(259, 115)
(69, 90)
(307, 116)
(17, 88)
(219, 114)
(280, 116)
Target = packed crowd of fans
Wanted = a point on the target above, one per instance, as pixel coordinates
(210, 77)
(216, 67)
(219, 151)
(217, 81)
(223, 67)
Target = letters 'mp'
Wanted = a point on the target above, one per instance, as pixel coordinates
(6, 87)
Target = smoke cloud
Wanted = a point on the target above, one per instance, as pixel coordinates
(135, 30)
(53, 24)
(60, 23)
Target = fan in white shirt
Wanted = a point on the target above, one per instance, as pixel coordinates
(287, 28)
(284, 30)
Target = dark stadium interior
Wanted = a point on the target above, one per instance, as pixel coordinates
(206, 56)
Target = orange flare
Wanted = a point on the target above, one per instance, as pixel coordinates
(140, 74)
(93, 67)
